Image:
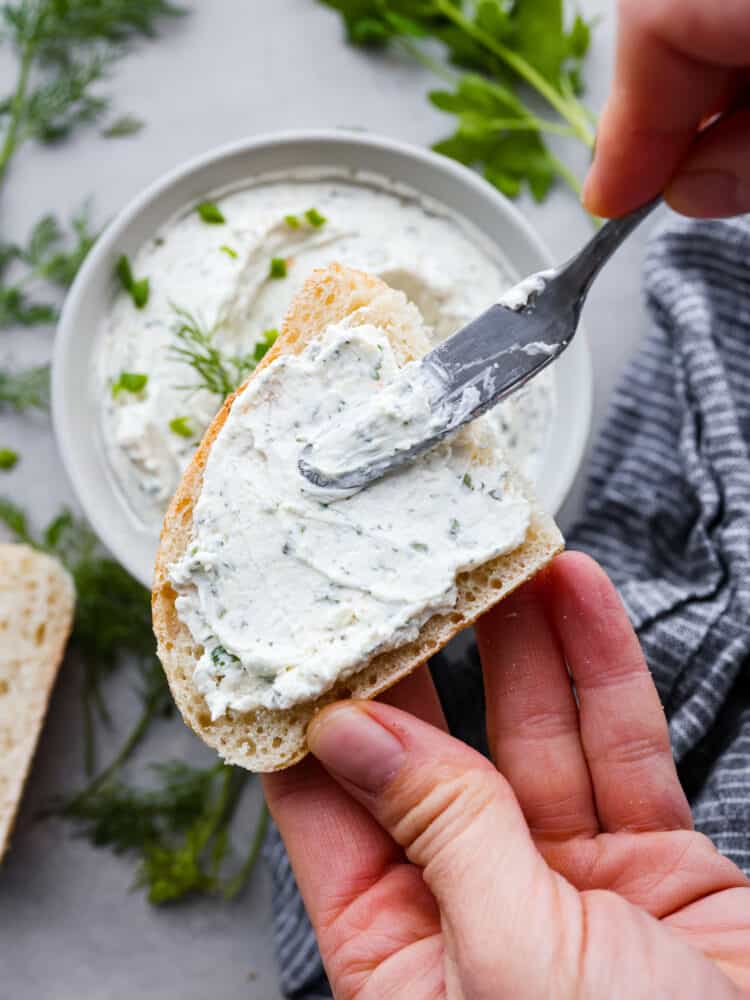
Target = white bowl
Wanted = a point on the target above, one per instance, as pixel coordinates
(74, 410)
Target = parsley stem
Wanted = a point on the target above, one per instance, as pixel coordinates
(530, 124)
(427, 61)
(569, 108)
(236, 884)
(567, 174)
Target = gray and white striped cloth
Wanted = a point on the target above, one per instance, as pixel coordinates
(668, 515)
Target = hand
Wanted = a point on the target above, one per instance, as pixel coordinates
(568, 869)
(679, 62)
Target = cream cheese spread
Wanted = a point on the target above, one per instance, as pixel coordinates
(286, 589)
(220, 275)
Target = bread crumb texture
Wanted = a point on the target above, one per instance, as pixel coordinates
(36, 615)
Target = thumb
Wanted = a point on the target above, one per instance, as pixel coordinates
(458, 819)
(714, 179)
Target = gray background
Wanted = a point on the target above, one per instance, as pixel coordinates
(70, 926)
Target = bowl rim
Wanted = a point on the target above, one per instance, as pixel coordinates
(331, 137)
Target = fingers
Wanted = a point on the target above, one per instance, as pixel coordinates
(416, 694)
(458, 820)
(675, 66)
(623, 729)
(336, 849)
(532, 718)
(714, 179)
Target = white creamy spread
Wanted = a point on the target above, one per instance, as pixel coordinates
(220, 275)
(287, 590)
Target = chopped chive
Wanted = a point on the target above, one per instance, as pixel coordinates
(210, 213)
(265, 342)
(292, 221)
(182, 426)
(8, 458)
(277, 268)
(314, 217)
(228, 251)
(129, 382)
(137, 289)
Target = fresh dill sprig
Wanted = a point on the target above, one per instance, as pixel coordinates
(25, 390)
(178, 828)
(50, 257)
(217, 372)
(64, 49)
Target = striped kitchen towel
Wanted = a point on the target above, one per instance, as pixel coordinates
(667, 513)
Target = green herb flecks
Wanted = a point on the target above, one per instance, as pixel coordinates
(262, 346)
(8, 459)
(25, 390)
(65, 48)
(468, 481)
(123, 126)
(182, 426)
(133, 382)
(292, 221)
(455, 527)
(51, 257)
(137, 288)
(228, 251)
(210, 213)
(506, 49)
(315, 219)
(277, 268)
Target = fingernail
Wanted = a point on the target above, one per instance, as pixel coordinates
(353, 745)
(708, 194)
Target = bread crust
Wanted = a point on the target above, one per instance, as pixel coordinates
(268, 740)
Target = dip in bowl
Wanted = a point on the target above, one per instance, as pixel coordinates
(224, 243)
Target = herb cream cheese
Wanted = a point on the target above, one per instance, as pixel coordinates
(288, 589)
(201, 299)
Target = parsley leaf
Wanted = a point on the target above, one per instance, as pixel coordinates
(210, 213)
(510, 47)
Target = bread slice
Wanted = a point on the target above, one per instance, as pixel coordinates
(267, 740)
(36, 614)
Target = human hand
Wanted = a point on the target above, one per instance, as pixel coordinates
(679, 62)
(567, 869)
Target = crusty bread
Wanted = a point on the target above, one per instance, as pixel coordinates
(265, 740)
(36, 613)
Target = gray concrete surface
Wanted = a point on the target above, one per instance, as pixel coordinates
(69, 926)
